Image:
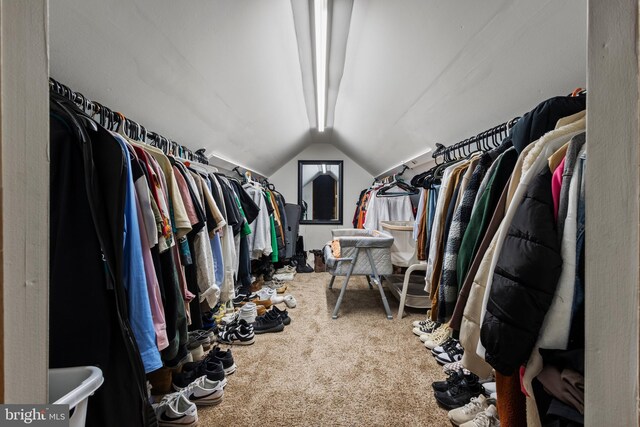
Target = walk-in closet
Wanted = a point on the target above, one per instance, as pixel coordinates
(319, 213)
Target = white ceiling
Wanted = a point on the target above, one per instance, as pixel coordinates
(226, 75)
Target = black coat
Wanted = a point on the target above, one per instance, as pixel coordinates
(524, 280)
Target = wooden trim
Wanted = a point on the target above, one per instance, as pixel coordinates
(24, 206)
(612, 215)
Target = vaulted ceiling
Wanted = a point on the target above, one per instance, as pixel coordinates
(231, 76)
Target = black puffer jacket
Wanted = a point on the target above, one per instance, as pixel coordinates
(524, 280)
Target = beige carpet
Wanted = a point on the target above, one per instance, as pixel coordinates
(358, 370)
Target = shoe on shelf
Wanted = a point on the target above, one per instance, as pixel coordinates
(460, 393)
(283, 314)
(238, 333)
(438, 337)
(427, 328)
(176, 410)
(210, 367)
(225, 357)
(468, 412)
(265, 324)
(290, 301)
(487, 418)
(204, 392)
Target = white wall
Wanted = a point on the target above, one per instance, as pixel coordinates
(355, 180)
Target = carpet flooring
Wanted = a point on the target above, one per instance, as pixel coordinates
(358, 370)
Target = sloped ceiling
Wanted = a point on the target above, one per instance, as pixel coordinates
(226, 75)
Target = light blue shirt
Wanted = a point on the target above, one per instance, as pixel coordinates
(135, 281)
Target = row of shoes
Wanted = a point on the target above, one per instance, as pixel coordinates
(199, 383)
(470, 399)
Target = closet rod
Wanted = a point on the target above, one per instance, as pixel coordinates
(483, 141)
(112, 120)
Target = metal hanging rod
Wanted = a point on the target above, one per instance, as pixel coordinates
(483, 141)
(113, 120)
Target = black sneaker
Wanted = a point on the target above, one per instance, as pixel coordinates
(240, 299)
(445, 346)
(304, 268)
(453, 379)
(181, 358)
(283, 314)
(213, 369)
(460, 394)
(266, 323)
(238, 332)
(224, 357)
(451, 354)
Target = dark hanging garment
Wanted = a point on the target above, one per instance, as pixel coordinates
(293, 213)
(286, 244)
(251, 210)
(88, 316)
(234, 217)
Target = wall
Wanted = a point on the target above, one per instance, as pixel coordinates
(355, 180)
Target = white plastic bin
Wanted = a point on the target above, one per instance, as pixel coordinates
(403, 251)
(73, 386)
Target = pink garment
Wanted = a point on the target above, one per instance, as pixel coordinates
(556, 186)
(153, 287)
(186, 197)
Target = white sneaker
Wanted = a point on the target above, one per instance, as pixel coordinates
(469, 411)
(176, 410)
(490, 387)
(438, 337)
(488, 418)
(248, 312)
(420, 323)
(205, 392)
(290, 301)
(285, 277)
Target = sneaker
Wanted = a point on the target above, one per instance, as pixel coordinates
(284, 315)
(427, 328)
(239, 333)
(225, 357)
(460, 393)
(438, 337)
(290, 301)
(453, 353)
(176, 410)
(248, 312)
(286, 269)
(265, 324)
(204, 392)
(488, 418)
(442, 348)
(209, 367)
(455, 367)
(183, 356)
(489, 387)
(304, 268)
(196, 350)
(263, 294)
(422, 323)
(453, 379)
(285, 277)
(240, 300)
(468, 412)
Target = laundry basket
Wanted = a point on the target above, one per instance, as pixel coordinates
(73, 386)
(409, 290)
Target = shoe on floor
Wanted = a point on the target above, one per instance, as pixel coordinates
(488, 418)
(183, 356)
(209, 367)
(284, 315)
(442, 348)
(285, 277)
(453, 353)
(290, 301)
(426, 328)
(455, 367)
(304, 268)
(238, 333)
(438, 337)
(422, 323)
(204, 392)
(468, 412)
(248, 312)
(176, 410)
(225, 357)
(453, 379)
(460, 394)
(265, 324)
(489, 387)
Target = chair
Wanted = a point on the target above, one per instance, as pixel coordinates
(362, 253)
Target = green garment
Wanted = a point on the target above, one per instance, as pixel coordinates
(274, 237)
(483, 212)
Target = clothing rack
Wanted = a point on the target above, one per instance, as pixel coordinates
(483, 141)
(113, 120)
(389, 178)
